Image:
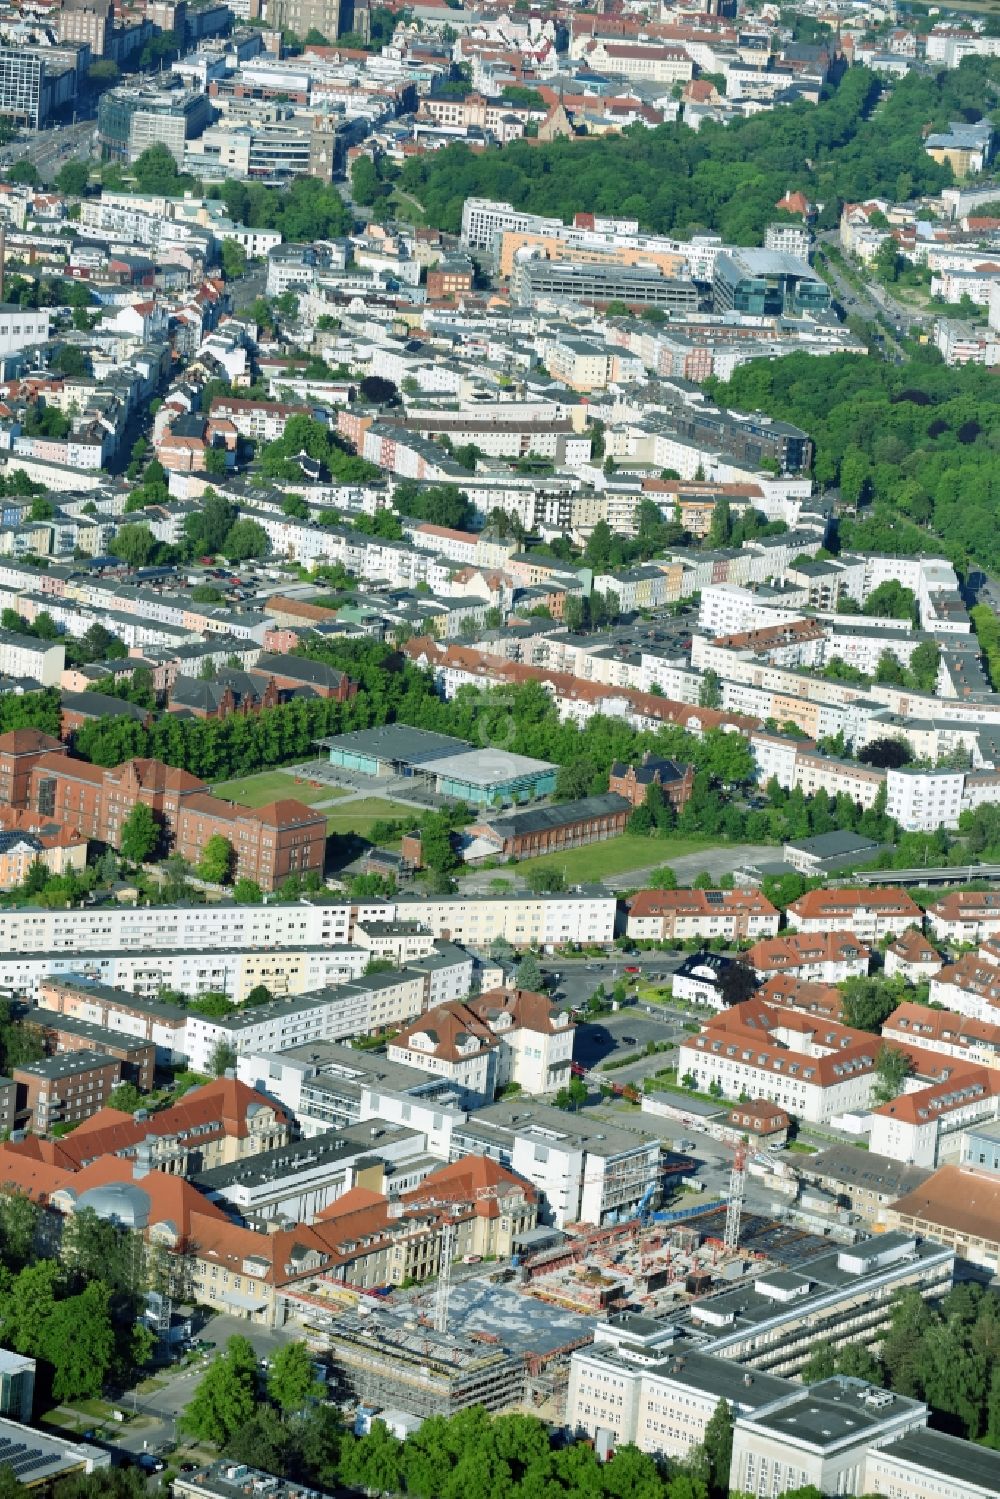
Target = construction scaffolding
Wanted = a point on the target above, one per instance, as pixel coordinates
(387, 1362)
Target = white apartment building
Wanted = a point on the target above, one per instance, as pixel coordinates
(21, 327)
(790, 1071)
(923, 800)
(638, 1384)
(872, 915)
(27, 656)
(737, 915)
(969, 987)
(654, 64)
(927, 1464)
(962, 916)
(729, 609)
(224, 970)
(914, 1127)
(587, 1172)
(526, 921)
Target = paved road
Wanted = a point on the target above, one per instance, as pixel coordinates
(158, 1411)
(48, 150)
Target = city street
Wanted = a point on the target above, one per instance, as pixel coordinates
(159, 1409)
(48, 150)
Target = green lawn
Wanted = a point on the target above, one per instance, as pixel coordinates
(357, 817)
(617, 856)
(270, 785)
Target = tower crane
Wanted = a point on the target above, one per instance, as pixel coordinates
(496, 1192)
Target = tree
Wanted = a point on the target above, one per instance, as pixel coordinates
(380, 391)
(247, 892)
(721, 529)
(218, 860)
(72, 178)
(139, 835)
(821, 1364)
(373, 1462)
(529, 973)
(892, 1067)
(125, 1097)
(222, 1059)
(573, 1096)
(29, 1305)
(710, 690)
(226, 1398)
(134, 543)
(260, 994)
(737, 982)
(69, 360)
(868, 1002)
(924, 664)
(217, 465)
(246, 538)
(78, 1339)
(718, 1445)
(18, 1226)
(234, 259)
(24, 171)
(885, 753)
(858, 1362)
(544, 878)
(292, 1383)
(41, 508)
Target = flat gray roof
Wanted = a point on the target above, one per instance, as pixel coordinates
(273, 1166)
(964, 1462)
(833, 1411)
(487, 767)
(397, 741)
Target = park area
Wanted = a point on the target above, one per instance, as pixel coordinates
(596, 861)
(271, 786)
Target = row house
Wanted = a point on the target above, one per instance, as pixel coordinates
(827, 957)
(872, 915)
(735, 915)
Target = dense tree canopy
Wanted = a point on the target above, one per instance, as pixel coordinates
(914, 442)
(854, 145)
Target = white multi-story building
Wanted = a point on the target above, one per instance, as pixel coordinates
(814, 1070)
(872, 915)
(914, 1127)
(962, 916)
(587, 1172)
(821, 1436)
(923, 800)
(27, 656)
(927, 1464)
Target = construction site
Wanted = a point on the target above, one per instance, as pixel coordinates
(502, 1337)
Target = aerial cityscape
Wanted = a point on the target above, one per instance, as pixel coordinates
(499, 749)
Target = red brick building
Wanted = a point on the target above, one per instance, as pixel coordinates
(271, 842)
(633, 781)
(64, 1089)
(544, 830)
(20, 751)
(137, 1055)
